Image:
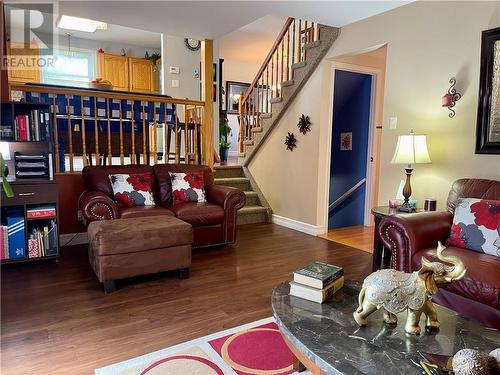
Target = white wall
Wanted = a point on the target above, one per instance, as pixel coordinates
(427, 43)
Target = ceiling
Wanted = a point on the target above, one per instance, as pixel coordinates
(251, 42)
(114, 34)
(214, 19)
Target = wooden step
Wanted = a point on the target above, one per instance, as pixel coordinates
(290, 82)
(266, 115)
(228, 171)
(252, 198)
(241, 183)
(252, 214)
(257, 129)
(276, 100)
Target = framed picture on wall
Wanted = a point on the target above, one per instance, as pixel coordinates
(488, 111)
(233, 92)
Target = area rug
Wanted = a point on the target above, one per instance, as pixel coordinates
(254, 348)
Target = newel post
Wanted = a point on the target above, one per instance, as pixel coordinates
(207, 129)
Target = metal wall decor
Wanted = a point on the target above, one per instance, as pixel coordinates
(290, 141)
(449, 99)
(304, 124)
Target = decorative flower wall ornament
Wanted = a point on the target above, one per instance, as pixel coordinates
(290, 141)
(304, 124)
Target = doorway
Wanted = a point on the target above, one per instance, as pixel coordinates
(352, 119)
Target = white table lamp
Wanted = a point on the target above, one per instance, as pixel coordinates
(411, 149)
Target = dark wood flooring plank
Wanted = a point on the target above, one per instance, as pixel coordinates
(57, 320)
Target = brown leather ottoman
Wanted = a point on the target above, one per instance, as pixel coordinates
(129, 247)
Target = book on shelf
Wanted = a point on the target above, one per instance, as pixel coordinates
(4, 242)
(34, 126)
(314, 294)
(318, 274)
(43, 240)
(39, 212)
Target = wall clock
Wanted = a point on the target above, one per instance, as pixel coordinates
(192, 44)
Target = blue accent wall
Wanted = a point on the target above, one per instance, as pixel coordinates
(351, 113)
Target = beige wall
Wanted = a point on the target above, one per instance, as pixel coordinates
(175, 53)
(427, 43)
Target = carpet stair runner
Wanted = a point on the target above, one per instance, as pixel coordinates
(234, 176)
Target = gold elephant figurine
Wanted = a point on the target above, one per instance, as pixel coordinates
(395, 291)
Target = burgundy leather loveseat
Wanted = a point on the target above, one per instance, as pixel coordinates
(214, 222)
(412, 236)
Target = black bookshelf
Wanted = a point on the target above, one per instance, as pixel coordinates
(29, 192)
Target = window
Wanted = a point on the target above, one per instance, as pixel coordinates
(75, 68)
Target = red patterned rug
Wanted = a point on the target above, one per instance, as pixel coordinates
(254, 348)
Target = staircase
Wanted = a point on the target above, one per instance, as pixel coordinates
(296, 53)
(256, 209)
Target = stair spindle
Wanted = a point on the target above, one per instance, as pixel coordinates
(133, 156)
(122, 157)
(288, 54)
(96, 134)
(299, 44)
(84, 146)
(70, 135)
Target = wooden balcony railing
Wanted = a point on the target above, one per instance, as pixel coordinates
(288, 49)
(92, 127)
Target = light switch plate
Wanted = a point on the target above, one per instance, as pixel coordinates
(174, 70)
(175, 83)
(393, 122)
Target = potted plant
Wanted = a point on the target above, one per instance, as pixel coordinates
(224, 145)
(5, 184)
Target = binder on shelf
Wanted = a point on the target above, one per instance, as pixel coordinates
(16, 234)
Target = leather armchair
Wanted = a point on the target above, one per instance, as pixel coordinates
(409, 237)
(214, 222)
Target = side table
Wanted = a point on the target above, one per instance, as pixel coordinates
(382, 256)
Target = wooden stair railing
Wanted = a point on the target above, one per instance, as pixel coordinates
(93, 127)
(288, 49)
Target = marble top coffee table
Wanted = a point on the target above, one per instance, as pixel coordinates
(326, 339)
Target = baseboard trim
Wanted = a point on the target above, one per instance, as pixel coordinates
(313, 230)
(70, 239)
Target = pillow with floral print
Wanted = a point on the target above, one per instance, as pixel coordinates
(188, 187)
(476, 225)
(133, 189)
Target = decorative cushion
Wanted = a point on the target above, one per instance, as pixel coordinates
(133, 189)
(188, 187)
(476, 225)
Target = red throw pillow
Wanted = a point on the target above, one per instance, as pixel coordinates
(188, 187)
(476, 226)
(133, 189)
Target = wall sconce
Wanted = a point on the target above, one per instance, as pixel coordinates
(451, 98)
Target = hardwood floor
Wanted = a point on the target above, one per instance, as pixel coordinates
(56, 319)
(359, 237)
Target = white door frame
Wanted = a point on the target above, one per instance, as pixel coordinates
(371, 167)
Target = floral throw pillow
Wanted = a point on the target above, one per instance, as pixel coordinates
(476, 226)
(132, 189)
(188, 187)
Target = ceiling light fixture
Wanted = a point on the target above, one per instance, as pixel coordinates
(80, 24)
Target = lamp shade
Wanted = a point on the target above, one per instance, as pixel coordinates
(4, 150)
(411, 149)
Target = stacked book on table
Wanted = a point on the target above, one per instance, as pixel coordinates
(317, 281)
